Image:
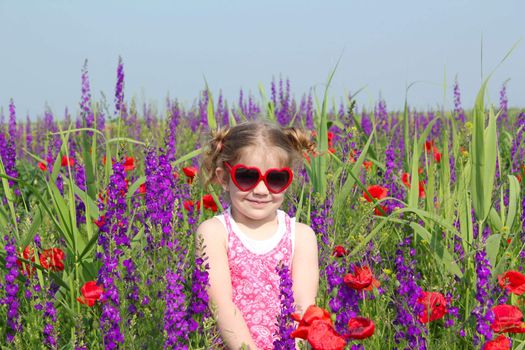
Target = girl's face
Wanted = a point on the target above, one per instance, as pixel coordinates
(257, 204)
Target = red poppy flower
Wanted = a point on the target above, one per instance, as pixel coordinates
(331, 150)
(322, 336)
(188, 204)
(429, 145)
(513, 281)
(142, 189)
(209, 202)
(367, 164)
(91, 292)
(42, 166)
(339, 251)
(360, 328)
(500, 343)
(175, 175)
(437, 155)
(405, 178)
(129, 164)
(100, 222)
(377, 192)
(507, 318)
(190, 173)
(311, 314)
(422, 189)
(435, 306)
(67, 161)
(52, 259)
(27, 254)
(362, 278)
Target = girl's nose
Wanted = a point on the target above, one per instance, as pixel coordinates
(261, 189)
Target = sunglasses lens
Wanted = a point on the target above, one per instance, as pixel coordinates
(278, 180)
(246, 178)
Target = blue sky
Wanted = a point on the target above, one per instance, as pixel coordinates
(170, 47)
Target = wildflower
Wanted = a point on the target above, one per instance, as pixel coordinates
(91, 292)
(189, 204)
(129, 164)
(435, 306)
(376, 191)
(27, 254)
(405, 178)
(339, 251)
(360, 328)
(67, 161)
(42, 166)
(311, 314)
(429, 145)
(437, 154)
(209, 202)
(142, 188)
(500, 343)
(513, 281)
(11, 290)
(361, 279)
(316, 326)
(367, 165)
(322, 336)
(52, 259)
(190, 173)
(100, 222)
(284, 341)
(507, 318)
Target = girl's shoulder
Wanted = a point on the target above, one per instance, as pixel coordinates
(303, 229)
(212, 231)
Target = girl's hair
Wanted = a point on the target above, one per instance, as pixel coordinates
(226, 144)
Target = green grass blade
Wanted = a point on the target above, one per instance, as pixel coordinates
(514, 200)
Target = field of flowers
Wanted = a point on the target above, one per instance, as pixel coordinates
(419, 216)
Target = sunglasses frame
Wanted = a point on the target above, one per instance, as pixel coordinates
(262, 177)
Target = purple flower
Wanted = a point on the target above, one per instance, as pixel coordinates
(459, 114)
(85, 103)
(483, 311)
(160, 196)
(29, 135)
(119, 88)
(408, 327)
(173, 122)
(284, 321)
(11, 290)
(176, 326)
(113, 236)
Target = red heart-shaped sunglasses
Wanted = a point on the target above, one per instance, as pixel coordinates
(247, 178)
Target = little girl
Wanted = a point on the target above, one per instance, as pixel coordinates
(253, 163)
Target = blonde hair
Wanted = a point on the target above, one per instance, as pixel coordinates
(226, 145)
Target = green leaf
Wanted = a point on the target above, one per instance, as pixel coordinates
(492, 246)
(188, 156)
(441, 254)
(514, 198)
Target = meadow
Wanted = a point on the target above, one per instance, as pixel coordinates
(419, 217)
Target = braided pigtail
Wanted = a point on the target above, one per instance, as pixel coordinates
(213, 155)
(301, 142)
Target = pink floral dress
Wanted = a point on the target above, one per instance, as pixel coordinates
(255, 283)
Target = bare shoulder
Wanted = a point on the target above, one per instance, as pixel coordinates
(304, 235)
(212, 232)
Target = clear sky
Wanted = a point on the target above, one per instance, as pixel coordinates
(169, 47)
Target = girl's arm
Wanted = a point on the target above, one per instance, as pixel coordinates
(232, 327)
(305, 267)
